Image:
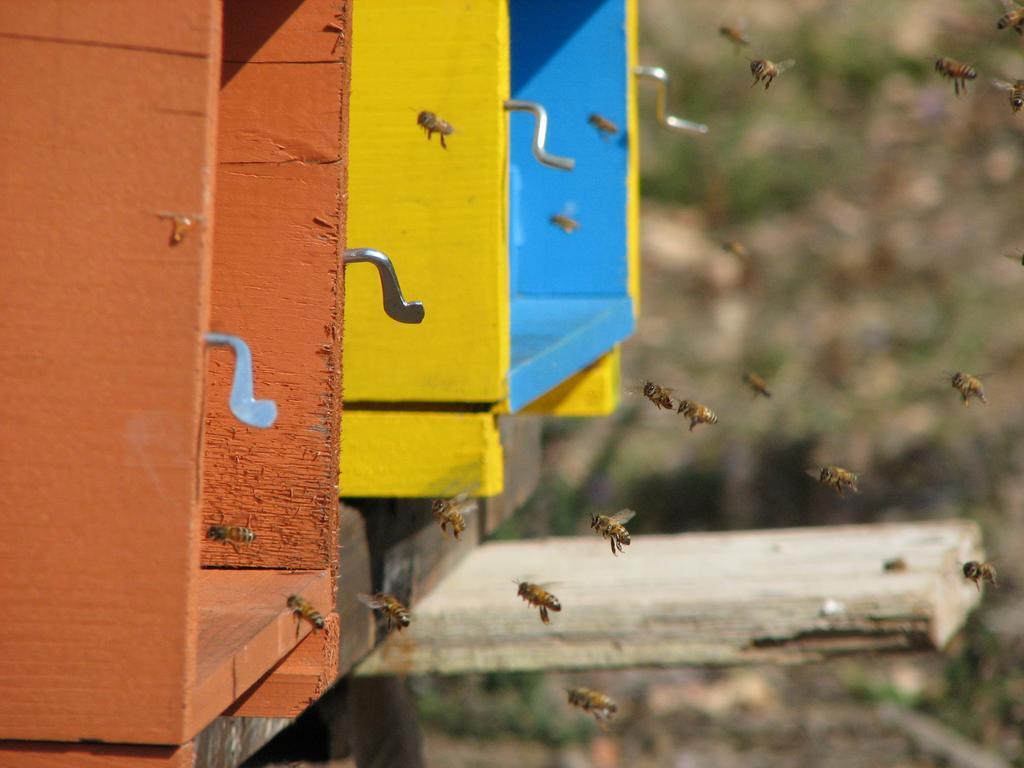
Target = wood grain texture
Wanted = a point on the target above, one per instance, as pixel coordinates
(40, 754)
(101, 363)
(228, 742)
(277, 281)
(724, 598)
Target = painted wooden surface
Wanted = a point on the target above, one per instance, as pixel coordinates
(417, 453)
(102, 362)
(440, 214)
(594, 391)
(34, 754)
(277, 280)
(722, 598)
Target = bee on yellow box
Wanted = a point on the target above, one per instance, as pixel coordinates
(432, 124)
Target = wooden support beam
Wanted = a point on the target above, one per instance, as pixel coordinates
(782, 596)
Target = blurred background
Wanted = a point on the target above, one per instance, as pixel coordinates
(876, 210)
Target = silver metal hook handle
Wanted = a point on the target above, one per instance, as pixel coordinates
(660, 77)
(395, 305)
(247, 409)
(540, 134)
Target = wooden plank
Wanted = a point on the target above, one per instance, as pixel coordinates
(708, 598)
(246, 628)
(42, 754)
(440, 214)
(101, 363)
(228, 742)
(277, 282)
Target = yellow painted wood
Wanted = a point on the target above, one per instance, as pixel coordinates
(594, 391)
(633, 175)
(416, 453)
(440, 214)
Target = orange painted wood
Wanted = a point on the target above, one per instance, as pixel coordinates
(245, 628)
(35, 754)
(101, 363)
(277, 281)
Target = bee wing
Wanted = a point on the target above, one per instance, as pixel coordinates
(1008, 5)
(815, 473)
(369, 600)
(1002, 85)
(623, 516)
(782, 66)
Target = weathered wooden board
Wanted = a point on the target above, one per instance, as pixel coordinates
(277, 280)
(704, 598)
(108, 121)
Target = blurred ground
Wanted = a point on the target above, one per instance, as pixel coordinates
(876, 209)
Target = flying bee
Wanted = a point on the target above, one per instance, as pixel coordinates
(696, 413)
(660, 396)
(1013, 18)
(756, 383)
(395, 612)
(735, 248)
(766, 71)
(613, 527)
(432, 124)
(450, 512)
(968, 386)
(734, 35)
(605, 127)
(565, 223)
(959, 73)
(303, 610)
(600, 705)
(232, 534)
(894, 565)
(537, 595)
(835, 477)
(1016, 90)
(979, 572)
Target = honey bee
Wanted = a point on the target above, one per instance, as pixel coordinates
(1016, 90)
(979, 572)
(735, 248)
(756, 383)
(303, 610)
(959, 73)
(613, 527)
(660, 396)
(596, 703)
(450, 512)
(395, 612)
(232, 534)
(835, 477)
(765, 71)
(894, 565)
(537, 595)
(696, 413)
(565, 223)
(605, 127)
(968, 386)
(432, 124)
(734, 35)
(183, 223)
(1013, 18)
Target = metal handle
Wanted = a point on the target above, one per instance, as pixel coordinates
(395, 305)
(659, 76)
(540, 133)
(247, 409)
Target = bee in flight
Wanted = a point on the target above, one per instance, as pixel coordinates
(1016, 90)
(766, 71)
(660, 396)
(959, 73)
(451, 512)
(968, 386)
(979, 572)
(600, 705)
(391, 607)
(613, 527)
(735, 248)
(894, 565)
(303, 610)
(734, 35)
(835, 477)
(232, 534)
(1013, 18)
(537, 595)
(756, 383)
(565, 223)
(432, 124)
(696, 413)
(605, 127)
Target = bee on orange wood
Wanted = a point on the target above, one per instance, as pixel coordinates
(979, 572)
(756, 383)
(696, 413)
(835, 477)
(968, 386)
(1016, 91)
(303, 610)
(451, 512)
(537, 595)
(1013, 18)
(232, 534)
(605, 127)
(959, 73)
(766, 71)
(432, 124)
(613, 528)
(600, 705)
(390, 606)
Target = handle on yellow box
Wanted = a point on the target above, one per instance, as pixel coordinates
(395, 305)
